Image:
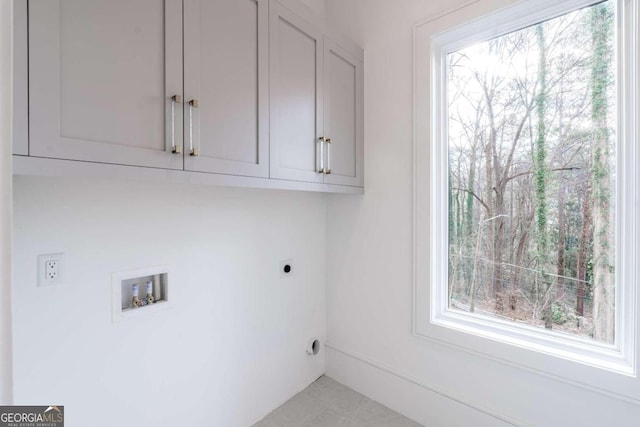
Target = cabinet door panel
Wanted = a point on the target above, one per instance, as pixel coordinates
(296, 96)
(226, 66)
(20, 77)
(343, 115)
(101, 75)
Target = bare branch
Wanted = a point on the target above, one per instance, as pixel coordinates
(475, 196)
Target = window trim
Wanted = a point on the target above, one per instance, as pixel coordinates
(572, 359)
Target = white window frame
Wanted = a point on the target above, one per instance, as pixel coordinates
(602, 367)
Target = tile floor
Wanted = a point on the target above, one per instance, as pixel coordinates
(327, 403)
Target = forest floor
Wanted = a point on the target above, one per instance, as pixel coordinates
(566, 320)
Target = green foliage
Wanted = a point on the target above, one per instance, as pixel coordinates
(601, 27)
(603, 290)
(541, 153)
(561, 314)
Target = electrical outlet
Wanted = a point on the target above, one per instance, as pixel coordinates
(50, 269)
(286, 268)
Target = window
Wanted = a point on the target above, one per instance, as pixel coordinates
(525, 182)
(531, 125)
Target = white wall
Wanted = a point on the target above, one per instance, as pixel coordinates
(6, 382)
(230, 350)
(369, 267)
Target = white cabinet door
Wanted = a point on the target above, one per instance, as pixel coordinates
(101, 77)
(226, 71)
(20, 107)
(343, 116)
(296, 56)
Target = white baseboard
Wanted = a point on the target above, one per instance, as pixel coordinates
(425, 404)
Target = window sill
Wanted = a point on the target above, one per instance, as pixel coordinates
(551, 343)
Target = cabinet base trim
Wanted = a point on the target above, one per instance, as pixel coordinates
(40, 166)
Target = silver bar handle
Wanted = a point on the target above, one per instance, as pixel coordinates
(328, 169)
(321, 156)
(195, 152)
(176, 149)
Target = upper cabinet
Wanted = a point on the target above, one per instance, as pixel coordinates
(246, 89)
(98, 75)
(316, 104)
(226, 65)
(343, 116)
(296, 97)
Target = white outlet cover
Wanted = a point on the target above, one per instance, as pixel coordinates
(43, 280)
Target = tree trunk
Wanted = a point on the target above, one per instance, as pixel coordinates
(561, 238)
(540, 165)
(581, 268)
(468, 220)
(498, 267)
(472, 177)
(525, 220)
(489, 232)
(603, 287)
(562, 193)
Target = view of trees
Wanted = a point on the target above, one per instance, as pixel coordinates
(531, 128)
